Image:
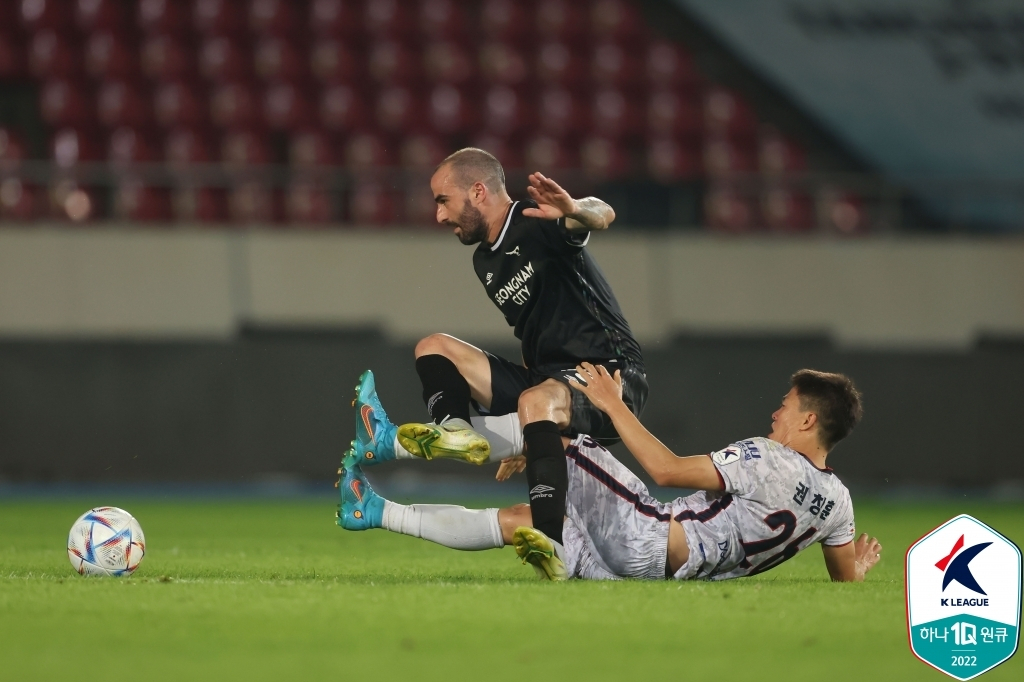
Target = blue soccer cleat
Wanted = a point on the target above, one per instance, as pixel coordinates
(360, 508)
(375, 434)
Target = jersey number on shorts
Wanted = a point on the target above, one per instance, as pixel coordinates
(786, 520)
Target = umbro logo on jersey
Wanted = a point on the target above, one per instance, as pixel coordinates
(541, 490)
(490, 276)
(513, 252)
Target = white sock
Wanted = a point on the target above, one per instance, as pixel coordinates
(503, 433)
(445, 524)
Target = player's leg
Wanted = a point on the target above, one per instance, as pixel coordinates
(452, 372)
(544, 411)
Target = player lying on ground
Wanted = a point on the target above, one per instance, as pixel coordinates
(760, 500)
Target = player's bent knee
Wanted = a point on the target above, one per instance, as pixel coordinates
(544, 403)
(436, 344)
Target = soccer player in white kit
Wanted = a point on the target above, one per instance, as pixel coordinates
(760, 500)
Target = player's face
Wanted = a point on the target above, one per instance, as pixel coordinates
(455, 210)
(786, 420)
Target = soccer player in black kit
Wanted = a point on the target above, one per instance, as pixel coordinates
(533, 265)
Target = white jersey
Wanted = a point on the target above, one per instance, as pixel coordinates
(774, 504)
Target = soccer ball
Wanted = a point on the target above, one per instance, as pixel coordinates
(106, 541)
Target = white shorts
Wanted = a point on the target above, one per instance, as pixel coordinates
(614, 528)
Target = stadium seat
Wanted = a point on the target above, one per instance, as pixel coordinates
(101, 15)
(310, 149)
(560, 19)
(120, 103)
(287, 107)
(366, 151)
(371, 203)
(65, 103)
(505, 19)
(725, 156)
(778, 155)
(603, 158)
(277, 59)
(669, 66)
(842, 211)
(392, 62)
(546, 154)
(726, 113)
(53, 55)
(615, 20)
(506, 110)
(253, 202)
(218, 17)
(129, 145)
(138, 202)
(502, 64)
(559, 64)
(164, 16)
(333, 61)
(165, 57)
(12, 149)
(508, 150)
(335, 17)
(12, 55)
(179, 104)
(308, 203)
(786, 210)
(71, 146)
(614, 65)
(727, 210)
(18, 199)
(70, 200)
(242, 148)
(342, 109)
(198, 204)
(671, 113)
(185, 146)
(442, 19)
(222, 58)
(560, 112)
(447, 62)
(109, 55)
(399, 110)
(451, 110)
(671, 160)
(422, 153)
(391, 18)
(235, 105)
(42, 15)
(274, 17)
(615, 113)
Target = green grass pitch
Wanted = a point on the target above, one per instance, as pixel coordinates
(273, 590)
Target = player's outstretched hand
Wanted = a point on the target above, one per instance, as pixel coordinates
(603, 389)
(553, 202)
(516, 464)
(868, 552)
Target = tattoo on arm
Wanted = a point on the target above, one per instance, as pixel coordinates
(591, 214)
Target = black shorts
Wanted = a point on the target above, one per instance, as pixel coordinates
(509, 380)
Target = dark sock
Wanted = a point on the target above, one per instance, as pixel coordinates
(547, 477)
(445, 391)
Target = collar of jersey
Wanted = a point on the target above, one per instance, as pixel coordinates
(508, 221)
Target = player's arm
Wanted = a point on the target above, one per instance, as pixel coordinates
(553, 202)
(852, 561)
(664, 466)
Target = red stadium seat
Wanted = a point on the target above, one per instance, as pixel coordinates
(560, 19)
(332, 61)
(842, 211)
(241, 148)
(725, 112)
(670, 66)
(615, 19)
(135, 201)
(42, 15)
(223, 58)
(235, 105)
(198, 204)
(615, 113)
(671, 113)
(278, 59)
(778, 154)
(612, 64)
(108, 55)
(727, 210)
(392, 18)
(447, 62)
(70, 200)
(179, 104)
(558, 64)
(273, 17)
(218, 16)
(785, 210)
(309, 203)
(399, 110)
(120, 103)
(392, 62)
(335, 17)
(254, 203)
(506, 110)
(422, 153)
(451, 110)
(501, 64)
(286, 107)
(367, 151)
(18, 200)
(101, 15)
(164, 16)
(310, 149)
(129, 145)
(505, 19)
(442, 19)
(371, 203)
(53, 55)
(166, 58)
(64, 103)
(12, 56)
(725, 156)
(12, 149)
(670, 160)
(342, 109)
(547, 154)
(184, 146)
(561, 112)
(603, 158)
(71, 146)
(507, 150)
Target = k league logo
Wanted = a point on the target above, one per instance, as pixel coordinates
(963, 598)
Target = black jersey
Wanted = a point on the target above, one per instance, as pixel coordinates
(552, 292)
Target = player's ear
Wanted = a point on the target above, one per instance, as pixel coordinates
(810, 421)
(479, 191)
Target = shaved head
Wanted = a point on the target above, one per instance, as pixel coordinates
(472, 165)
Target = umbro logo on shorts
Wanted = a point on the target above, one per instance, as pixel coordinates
(541, 490)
